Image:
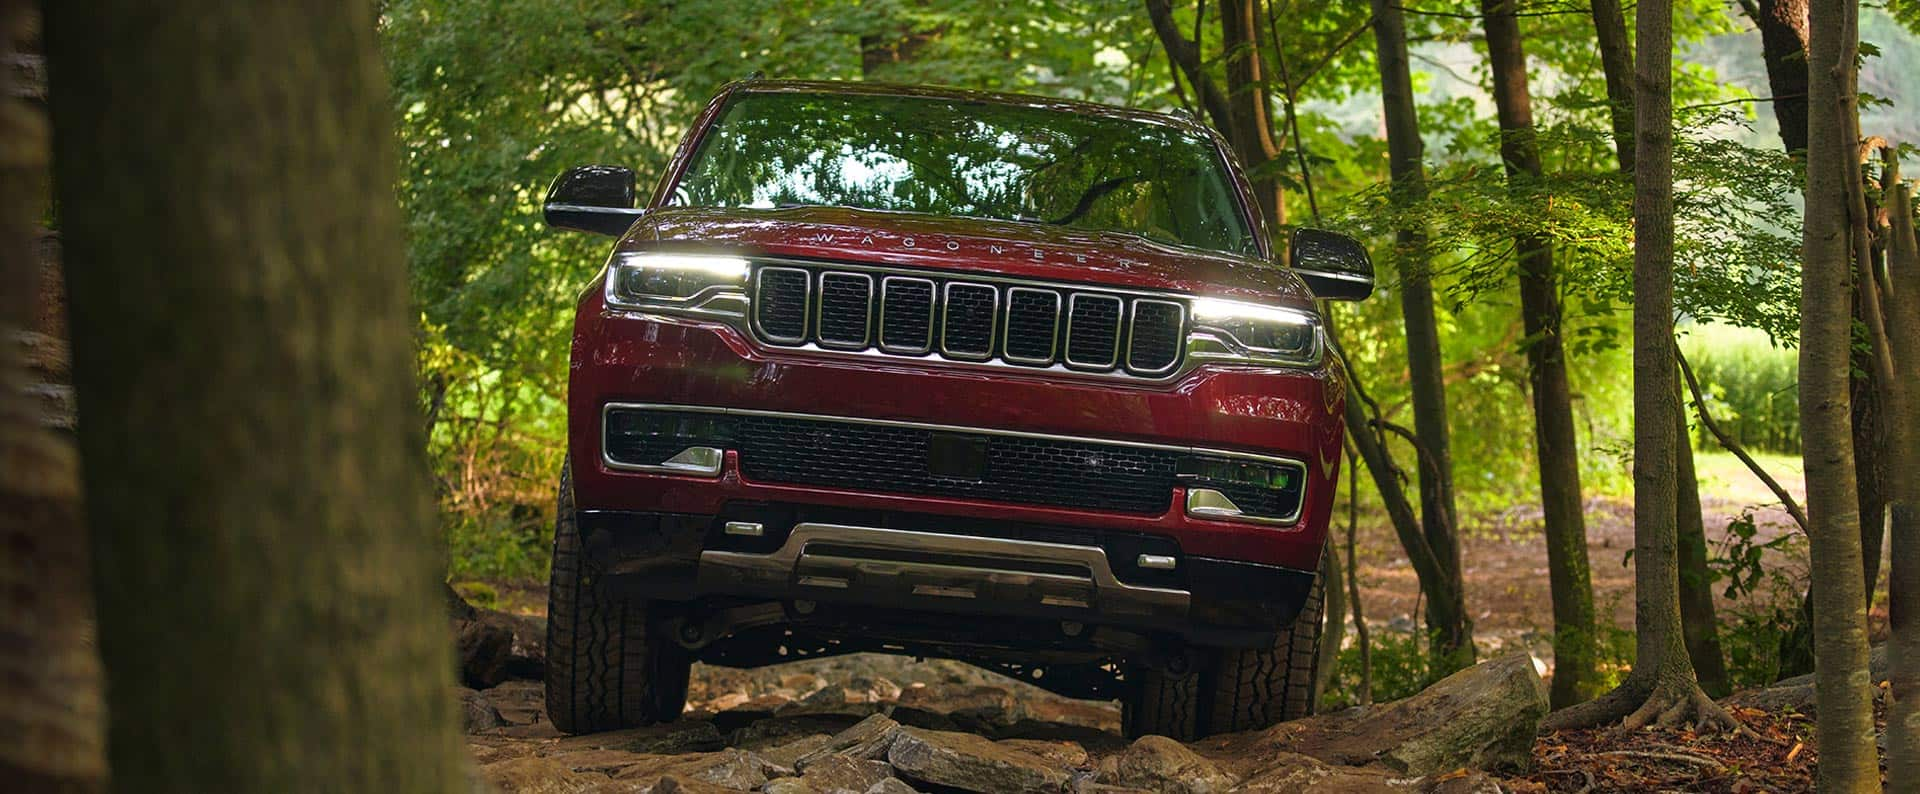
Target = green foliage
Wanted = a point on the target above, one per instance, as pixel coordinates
(1400, 669)
(1751, 386)
(1762, 598)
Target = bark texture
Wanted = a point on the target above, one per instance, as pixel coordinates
(1900, 285)
(1699, 622)
(1438, 517)
(1251, 133)
(49, 673)
(1555, 444)
(1426, 383)
(1616, 63)
(1846, 733)
(265, 561)
(1783, 43)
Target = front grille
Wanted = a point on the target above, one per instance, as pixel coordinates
(1023, 324)
(894, 459)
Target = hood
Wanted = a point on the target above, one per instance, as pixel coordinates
(1021, 250)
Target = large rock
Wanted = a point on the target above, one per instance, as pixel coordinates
(867, 740)
(1157, 763)
(495, 646)
(971, 763)
(476, 714)
(1483, 717)
(732, 769)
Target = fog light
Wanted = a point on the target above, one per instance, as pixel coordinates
(671, 442)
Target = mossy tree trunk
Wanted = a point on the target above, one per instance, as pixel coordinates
(265, 563)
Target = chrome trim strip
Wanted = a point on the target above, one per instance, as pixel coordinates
(792, 563)
(1180, 336)
(1177, 448)
(1334, 274)
(1006, 328)
(1119, 312)
(806, 301)
(946, 319)
(933, 292)
(1209, 503)
(866, 316)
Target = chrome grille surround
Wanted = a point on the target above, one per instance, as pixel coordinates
(976, 319)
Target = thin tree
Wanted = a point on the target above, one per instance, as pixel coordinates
(49, 673)
(1698, 620)
(265, 562)
(1845, 732)
(1783, 43)
(1555, 445)
(1899, 285)
(1661, 688)
(1439, 520)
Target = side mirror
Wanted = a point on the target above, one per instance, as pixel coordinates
(1335, 266)
(592, 198)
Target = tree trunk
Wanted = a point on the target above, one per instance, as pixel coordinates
(1783, 43)
(1846, 732)
(1661, 688)
(1334, 616)
(1441, 611)
(1251, 130)
(1902, 290)
(265, 561)
(1699, 621)
(1555, 444)
(1616, 63)
(1438, 518)
(49, 673)
(1185, 54)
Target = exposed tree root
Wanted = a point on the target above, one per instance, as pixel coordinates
(1669, 702)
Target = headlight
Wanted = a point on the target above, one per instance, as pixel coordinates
(1232, 330)
(667, 279)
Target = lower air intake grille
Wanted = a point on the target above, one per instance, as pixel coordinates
(1017, 469)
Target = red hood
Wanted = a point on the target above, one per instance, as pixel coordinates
(1023, 250)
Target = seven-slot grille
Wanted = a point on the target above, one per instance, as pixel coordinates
(967, 319)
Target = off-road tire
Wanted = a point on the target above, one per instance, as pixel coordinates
(1162, 703)
(607, 668)
(1252, 688)
(1231, 689)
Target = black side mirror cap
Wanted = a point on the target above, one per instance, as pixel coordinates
(1335, 266)
(593, 198)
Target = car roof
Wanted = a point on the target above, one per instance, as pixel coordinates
(853, 88)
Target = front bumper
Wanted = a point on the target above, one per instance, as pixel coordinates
(625, 357)
(802, 555)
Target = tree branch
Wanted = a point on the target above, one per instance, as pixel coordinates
(1729, 444)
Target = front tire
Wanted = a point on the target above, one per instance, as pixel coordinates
(1232, 689)
(607, 667)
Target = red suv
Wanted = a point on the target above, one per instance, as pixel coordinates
(1006, 379)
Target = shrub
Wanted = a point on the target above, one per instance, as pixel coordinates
(1751, 385)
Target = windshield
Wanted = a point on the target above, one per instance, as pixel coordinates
(944, 156)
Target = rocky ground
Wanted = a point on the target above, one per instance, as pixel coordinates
(868, 723)
(879, 724)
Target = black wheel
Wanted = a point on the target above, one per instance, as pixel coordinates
(1231, 689)
(606, 667)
